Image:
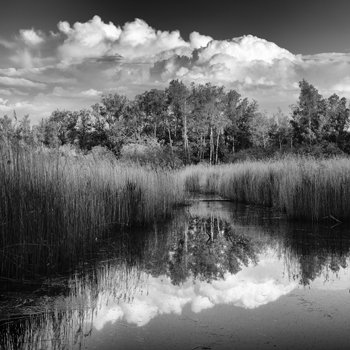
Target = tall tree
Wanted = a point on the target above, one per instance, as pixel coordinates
(260, 127)
(280, 130)
(112, 108)
(84, 129)
(338, 119)
(308, 115)
(210, 116)
(107, 119)
(246, 112)
(153, 103)
(180, 107)
(66, 125)
(233, 100)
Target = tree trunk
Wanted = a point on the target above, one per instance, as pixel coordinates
(211, 151)
(203, 148)
(186, 147)
(217, 149)
(171, 142)
(186, 249)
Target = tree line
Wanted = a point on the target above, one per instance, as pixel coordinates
(199, 123)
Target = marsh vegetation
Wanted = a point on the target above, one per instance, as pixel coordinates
(304, 188)
(56, 208)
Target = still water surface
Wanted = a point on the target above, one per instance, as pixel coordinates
(218, 275)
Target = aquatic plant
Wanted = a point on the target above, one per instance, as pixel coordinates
(56, 208)
(302, 187)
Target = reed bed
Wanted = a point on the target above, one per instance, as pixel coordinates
(54, 209)
(303, 188)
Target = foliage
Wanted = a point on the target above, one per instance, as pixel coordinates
(315, 119)
(190, 125)
(149, 151)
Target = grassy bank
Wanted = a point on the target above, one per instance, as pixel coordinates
(54, 209)
(303, 188)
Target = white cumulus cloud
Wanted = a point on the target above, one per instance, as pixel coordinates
(245, 48)
(31, 37)
(94, 57)
(96, 38)
(139, 39)
(90, 39)
(197, 40)
(91, 93)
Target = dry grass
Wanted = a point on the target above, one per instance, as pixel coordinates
(54, 208)
(304, 188)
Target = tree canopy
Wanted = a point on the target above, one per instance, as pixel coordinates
(191, 124)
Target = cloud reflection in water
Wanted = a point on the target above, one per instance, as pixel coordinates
(249, 289)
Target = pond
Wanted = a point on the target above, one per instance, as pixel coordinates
(218, 275)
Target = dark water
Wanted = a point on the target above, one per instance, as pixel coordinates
(217, 276)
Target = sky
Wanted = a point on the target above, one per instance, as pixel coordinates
(68, 54)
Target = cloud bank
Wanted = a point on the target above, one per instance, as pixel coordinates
(94, 58)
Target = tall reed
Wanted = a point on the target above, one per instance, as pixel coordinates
(303, 188)
(56, 208)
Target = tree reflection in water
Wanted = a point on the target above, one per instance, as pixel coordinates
(312, 252)
(209, 249)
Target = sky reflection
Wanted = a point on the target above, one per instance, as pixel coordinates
(252, 287)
